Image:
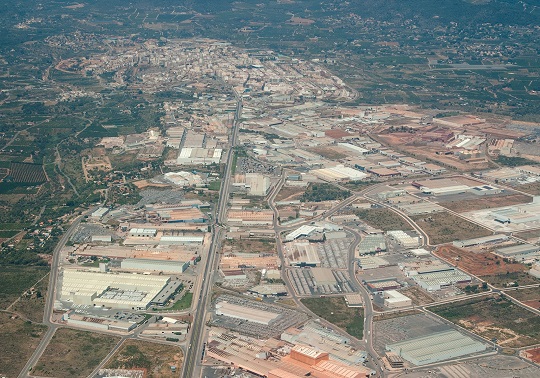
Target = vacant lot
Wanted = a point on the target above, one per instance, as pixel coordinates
(249, 246)
(320, 192)
(383, 219)
(532, 188)
(328, 152)
(289, 193)
(534, 355)
(511, 279)
(73, 353)
(444, 227)
(418, 296)
(488, 202)
(479, 264)
(532, 236)
(494, 317)
(32, 303)
(530, 296)
(157, 359)
(16, 280)
(335, 310)
(18, 339)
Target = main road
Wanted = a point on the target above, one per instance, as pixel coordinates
(194, 348)
(51, 294)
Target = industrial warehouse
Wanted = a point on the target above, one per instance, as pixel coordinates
(118, 291)
(436, 347)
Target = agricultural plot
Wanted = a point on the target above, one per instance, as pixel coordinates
(157, 359)
(73, 353)
(444, 227)
(495, 318)
(27, 173)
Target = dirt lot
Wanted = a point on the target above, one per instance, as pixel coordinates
(157, 359)
(479, 264)
(530, 297)
(328, 152)
(383, 219)
(533, 188)
(418, 296)
(18, 339)
(494, 317)
(486, 202)
(73, 353)
(444, 227)
(249, 246)
(533, 355)
(288, 193)
(511, 279)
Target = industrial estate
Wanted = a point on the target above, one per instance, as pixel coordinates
(276, 227)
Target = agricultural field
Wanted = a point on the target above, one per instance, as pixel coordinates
(487, 202)
(16, 280)
(444, 227)
(27, 173)
(72, 353)
(157, 359)
(335, 310)
(382, 218)
(18, 341)
(478, 264)
(529, 296)
(494, 318)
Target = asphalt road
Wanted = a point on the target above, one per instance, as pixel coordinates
(194, 348)
(49, 301)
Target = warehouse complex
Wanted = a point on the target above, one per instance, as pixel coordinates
(119, 291)
(149, 265)
(437, 347)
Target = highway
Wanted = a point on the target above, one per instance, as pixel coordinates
(194, 348)
(51, 294)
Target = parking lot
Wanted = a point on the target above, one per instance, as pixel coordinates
(249, 165)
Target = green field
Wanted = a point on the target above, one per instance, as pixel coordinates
(16, 280)
(382, 218)
(73, 353)
(335, 310)
(184, 302)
